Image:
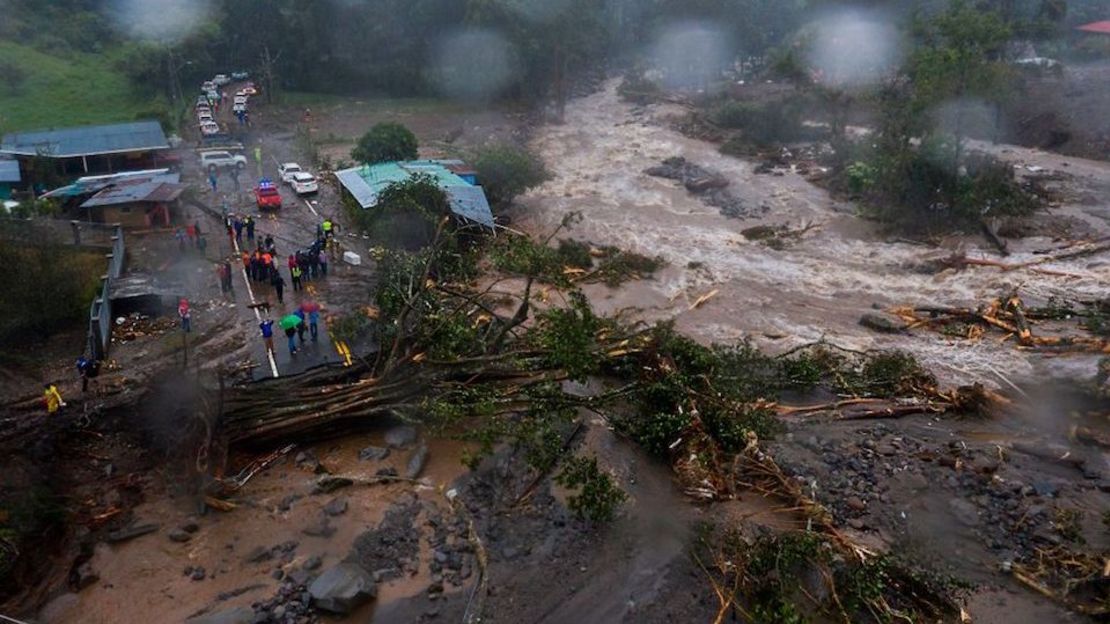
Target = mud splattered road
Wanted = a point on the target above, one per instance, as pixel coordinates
(817, 288)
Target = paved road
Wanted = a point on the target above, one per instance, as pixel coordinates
(293, 228)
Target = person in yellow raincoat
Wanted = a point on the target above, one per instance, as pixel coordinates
(52, 398)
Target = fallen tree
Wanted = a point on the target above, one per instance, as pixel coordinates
(464, 359)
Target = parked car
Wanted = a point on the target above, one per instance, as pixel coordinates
(240, 75)
(202, 101)
(213, 96)
(204, 115)
(267, 196)
(286, 171)
(304, 183)
(240, 99)
(223, 159)
(207, 86)
(221, 79)
(208, 128)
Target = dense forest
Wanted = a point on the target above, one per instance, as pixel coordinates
(430, 47)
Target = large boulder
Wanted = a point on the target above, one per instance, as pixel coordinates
(402, 436)
(342, 588)
(416, 462)
(883, 323)
(240, 615)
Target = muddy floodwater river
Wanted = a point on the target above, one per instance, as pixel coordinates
(815, 289)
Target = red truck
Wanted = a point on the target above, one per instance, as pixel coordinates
(267, 196)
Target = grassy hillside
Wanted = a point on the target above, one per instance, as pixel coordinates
(76, 89)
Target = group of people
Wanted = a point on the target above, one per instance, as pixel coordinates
(190, 236)
(309, 315)
(308, 265)
(260, 267)
(236, 226)
(87, 368)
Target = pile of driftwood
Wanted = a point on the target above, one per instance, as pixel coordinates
(1079, 249)
(1007, 315)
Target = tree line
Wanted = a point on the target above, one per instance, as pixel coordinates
(396, 47)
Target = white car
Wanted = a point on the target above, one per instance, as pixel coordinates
(208, 128)
(286, 171)
(204, 115)
(208, 86)
(222, 160)
(213, 96)
(221, 79)
(304, 183)
(240, 99)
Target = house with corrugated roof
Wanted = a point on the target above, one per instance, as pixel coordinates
(88, 150)
(138, 200)
(468, 201)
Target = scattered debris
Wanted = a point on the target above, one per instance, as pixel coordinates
(132, 532)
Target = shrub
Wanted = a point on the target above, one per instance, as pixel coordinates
(638, 89)
(920, 189)
(386, 142)
(506, 171)
(598, 496)
(767, 123)
(861, 177)
(407, 213)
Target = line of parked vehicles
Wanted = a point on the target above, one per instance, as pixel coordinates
(266, 193)
(212, 97)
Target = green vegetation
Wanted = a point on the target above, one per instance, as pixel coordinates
(571, 262)
(766, 123)
(598, 495)
(915, 172)
(506, 171)
(27, 515)
(729, 387)
(785, 577)
(638, 89)
(385, 142)
(406, 215)
(67, 90)
(52, 288)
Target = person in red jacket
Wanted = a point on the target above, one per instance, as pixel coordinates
(184, 314)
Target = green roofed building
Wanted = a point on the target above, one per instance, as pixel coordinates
(466, 198)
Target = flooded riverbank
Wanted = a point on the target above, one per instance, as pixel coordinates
(815, 289)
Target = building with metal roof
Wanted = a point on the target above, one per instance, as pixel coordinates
(137, 200)
(467, 200)
(138, 136)
(87, 149)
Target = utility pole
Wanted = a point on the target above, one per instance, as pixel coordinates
(268, 62)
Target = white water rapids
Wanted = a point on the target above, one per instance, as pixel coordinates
(817, 288)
